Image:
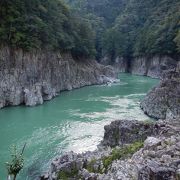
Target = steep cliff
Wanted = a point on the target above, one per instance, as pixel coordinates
(163, 101)
(141, 151)
(133, 149)
(152, 66)
(31, 77)
(147, 66)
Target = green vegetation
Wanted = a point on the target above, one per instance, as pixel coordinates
(93, 27)
(94, 166)
(63, 175)
(90, 165)
(116, 154)
(146, 28)
(122, 153)
(133, 27)
(17, 162)
(177, 39)
(44, 24)
(91, 169)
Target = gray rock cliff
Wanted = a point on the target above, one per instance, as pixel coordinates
(132, 149)
(163, 101)
(157, 158)
(30, 78)
(153, 66)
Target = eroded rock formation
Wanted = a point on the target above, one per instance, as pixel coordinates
(31, 78)
(153, 66)
(163, 101)
(132, 149)
(157, 158)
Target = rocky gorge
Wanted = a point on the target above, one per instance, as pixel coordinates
(138, 150)
(152, 66)
(132, 149)
(31, 78)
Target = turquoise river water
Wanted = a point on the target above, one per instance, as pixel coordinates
(72, 121)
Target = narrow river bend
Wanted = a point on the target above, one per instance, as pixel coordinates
(72, 121)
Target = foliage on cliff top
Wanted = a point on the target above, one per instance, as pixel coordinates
(47, 24)
(133, 27)
(109, 27)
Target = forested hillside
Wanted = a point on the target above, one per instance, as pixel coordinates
(133, 27)
(46, 24)
(93, 27)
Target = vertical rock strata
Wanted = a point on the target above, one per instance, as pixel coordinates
(153, 66)
(32, 77)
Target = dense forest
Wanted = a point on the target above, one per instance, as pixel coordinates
(47, 24)
(133, 27)
(93, 27)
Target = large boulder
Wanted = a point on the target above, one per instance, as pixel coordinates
(163, 101)
(123, 132)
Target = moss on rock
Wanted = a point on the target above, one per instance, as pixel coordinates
(122, 153)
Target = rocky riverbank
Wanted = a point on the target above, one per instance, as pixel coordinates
(138, 150)
(163, 101)
(133, 149)
(152, 66)
(31, 78)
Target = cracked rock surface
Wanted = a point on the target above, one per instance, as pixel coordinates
(31, 78)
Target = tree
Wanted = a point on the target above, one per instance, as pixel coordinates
(17, 162)
(43, 24)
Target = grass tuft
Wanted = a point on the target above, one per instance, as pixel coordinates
(121, 153)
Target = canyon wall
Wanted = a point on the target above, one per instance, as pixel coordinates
(153, 66)
(163, 101)
(134, 149)
(30, 78)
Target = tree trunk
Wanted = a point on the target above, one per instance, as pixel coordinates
(15, 177)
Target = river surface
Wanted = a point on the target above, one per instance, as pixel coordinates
(72, 121)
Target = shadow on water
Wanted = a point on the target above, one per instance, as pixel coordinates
(34, 171)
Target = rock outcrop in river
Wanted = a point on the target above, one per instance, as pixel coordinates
(163, 101)
(132, 149)
(131, 158)
(31, 78)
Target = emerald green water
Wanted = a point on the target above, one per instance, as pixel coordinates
(72, 121)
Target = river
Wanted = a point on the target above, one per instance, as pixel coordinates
(72, 121)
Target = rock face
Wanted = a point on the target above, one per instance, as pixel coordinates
(30, 78)
(163, 101)
(152, 66)
(147, 66)
(158, 159)
(120, 64)
(125, 132)
(132, 149)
